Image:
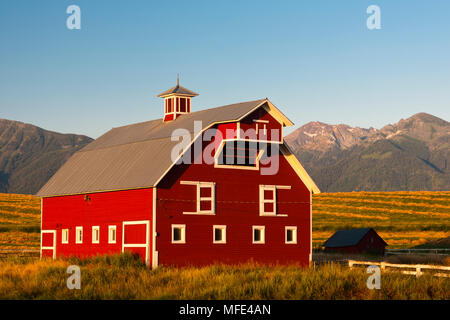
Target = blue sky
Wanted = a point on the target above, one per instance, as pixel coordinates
(315, 60)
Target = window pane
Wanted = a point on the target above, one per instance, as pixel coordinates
(289, 235)
(257, 235)
(268, 207)
(218, 234)
(205, 192)
(183, 105)
(176, 234)
(205, 205)
(268, 194)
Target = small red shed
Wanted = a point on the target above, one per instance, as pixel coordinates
(191, 188)
(352, 241)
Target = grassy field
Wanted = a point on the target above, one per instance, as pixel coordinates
(123, 277)
(403, 219)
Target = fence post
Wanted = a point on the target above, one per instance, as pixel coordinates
(418, 272)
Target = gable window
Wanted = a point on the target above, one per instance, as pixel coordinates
(112, 234)
(65, 236)
(291, 235)
(178, 233)
(268, 200)
(96, 234)
(205, 202)
(259, 234)
(79, 235)
(219, 234)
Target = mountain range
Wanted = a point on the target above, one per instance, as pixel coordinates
(412, 154)
(29, 155)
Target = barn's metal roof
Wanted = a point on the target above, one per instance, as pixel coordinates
(134, 156)
(346, 238)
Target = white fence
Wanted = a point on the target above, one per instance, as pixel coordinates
(442, 252)
(417, 268)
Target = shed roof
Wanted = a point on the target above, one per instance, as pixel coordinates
(346, 238)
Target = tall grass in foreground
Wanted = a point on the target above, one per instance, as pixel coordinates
(123, 277)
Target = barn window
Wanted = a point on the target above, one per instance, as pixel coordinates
(183, 105)
(65, 236)
(178, 233)
(205, 202)
(259, 234)
(170, 106)
(291, 235)
(112, 234)
(79, 235)
(96, 234)
(219, 234)
(239, 153)
(268, 200)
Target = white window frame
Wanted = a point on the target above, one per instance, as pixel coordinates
(263, 234)
(112, 228)
(183, 233)
(77, 238)
(65, 236)
(231, 166)
(263, 200)
(224, 234)
(294, 235)
(212, 198)
(95, 228)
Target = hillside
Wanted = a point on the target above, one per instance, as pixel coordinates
(29, 155)
(412, 154)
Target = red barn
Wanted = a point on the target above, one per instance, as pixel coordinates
(354, 241)
(192, 188)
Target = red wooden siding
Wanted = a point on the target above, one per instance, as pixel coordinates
(103, 209)
(237, 207)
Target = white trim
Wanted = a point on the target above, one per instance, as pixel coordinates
(111, 228)
(155, 233)
(263, 200)
(223, 228)
(95, 228)
(211, 199)
(262, 234)
(138, 245)
(54, 242)
(310, 227)
(65, 239)
(183, 233)
(238, 130)
(77, 239)
(42, 209)
(294, 235)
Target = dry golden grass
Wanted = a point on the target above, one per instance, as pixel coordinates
(122, 277)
